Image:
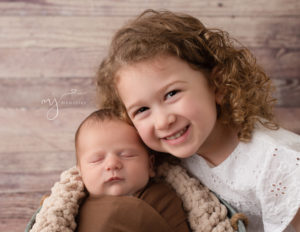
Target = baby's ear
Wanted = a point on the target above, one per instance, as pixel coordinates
(78, 166)
(151, 165)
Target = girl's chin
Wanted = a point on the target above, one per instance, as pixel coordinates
(183, 156)
(182, 153)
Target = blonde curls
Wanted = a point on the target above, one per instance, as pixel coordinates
(233, 72)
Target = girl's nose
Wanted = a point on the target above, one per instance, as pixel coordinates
(164, 120)
(113, 162)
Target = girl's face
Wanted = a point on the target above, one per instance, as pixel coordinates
(170, 104)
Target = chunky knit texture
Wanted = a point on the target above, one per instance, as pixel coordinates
(60, 208)
(205, 212)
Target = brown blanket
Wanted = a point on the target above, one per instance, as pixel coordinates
(155, 208)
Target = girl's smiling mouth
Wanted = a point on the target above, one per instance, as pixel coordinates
(177, 137)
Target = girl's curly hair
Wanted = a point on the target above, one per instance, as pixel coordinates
(233, 72)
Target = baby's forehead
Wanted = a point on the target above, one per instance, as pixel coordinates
(112, 127)
(91, 123)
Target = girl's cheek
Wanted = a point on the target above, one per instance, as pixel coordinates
(144, 130)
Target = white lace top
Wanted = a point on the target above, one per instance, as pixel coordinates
(260, 179)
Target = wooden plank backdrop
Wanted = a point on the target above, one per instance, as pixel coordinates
(49, 53)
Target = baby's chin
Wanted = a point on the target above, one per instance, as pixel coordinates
(116, 191)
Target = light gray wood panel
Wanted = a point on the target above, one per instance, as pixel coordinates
(48, 93)
(36, 162)
(280, 63)
(133, 7)
(289, 118)
(287, 92)
(59, 93)
(13, 222)
(31, 131)
(27, 182)
(17, 209)
(20, 32)
(83, 62)
(50, 62)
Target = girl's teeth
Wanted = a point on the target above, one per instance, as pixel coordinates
(177, 135)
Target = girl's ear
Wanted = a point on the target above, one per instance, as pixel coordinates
(151, 165)
(219, 95)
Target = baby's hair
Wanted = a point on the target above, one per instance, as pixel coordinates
(233, 72)
(97, 116)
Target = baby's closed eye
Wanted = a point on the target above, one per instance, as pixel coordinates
(128, 155)
(96, 159)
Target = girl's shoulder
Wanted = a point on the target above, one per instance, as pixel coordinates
(276, 138)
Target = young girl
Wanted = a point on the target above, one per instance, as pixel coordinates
(189, 92)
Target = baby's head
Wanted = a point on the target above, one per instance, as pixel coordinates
(244, 90)
(110, 155)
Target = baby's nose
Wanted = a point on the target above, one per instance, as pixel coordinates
(113, 162)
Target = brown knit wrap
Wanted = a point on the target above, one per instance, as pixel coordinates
(205, 212)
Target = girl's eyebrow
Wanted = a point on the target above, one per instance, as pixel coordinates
(163, 89)
(133, 105)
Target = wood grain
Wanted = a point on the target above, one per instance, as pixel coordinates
(24, 130)
(133, 7)
(83, 62)
(47, 93)
(49, 32)
(32, 163)
(17, 209)
(50, 62)
(288, 92)
(26, 182)
(289, 118)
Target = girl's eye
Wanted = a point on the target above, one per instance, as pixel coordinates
(171, 93)
(141, 110)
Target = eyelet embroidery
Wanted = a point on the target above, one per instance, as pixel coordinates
(275, 152)
(278, 189)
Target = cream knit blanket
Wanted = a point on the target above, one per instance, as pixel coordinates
(205, 213)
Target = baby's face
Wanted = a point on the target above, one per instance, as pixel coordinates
(112, 159)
